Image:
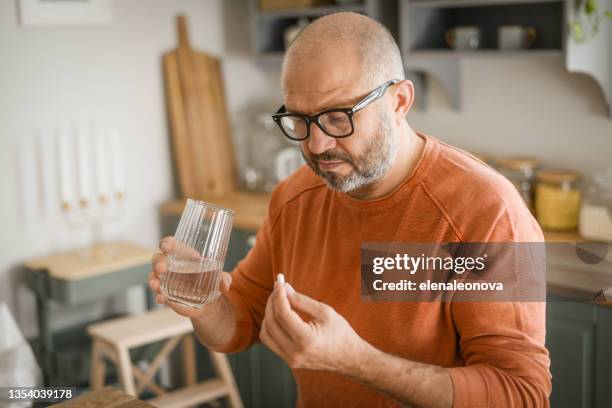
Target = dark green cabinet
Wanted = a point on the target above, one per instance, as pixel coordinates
(579, 339)
(603, 353)
(263, 378)
(570, 338)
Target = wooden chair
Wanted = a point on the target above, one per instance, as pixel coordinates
(114, 338)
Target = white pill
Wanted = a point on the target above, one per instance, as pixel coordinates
(280, 278)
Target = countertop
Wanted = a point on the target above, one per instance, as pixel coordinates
(250, 208)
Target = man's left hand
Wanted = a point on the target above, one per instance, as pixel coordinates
(324, 341)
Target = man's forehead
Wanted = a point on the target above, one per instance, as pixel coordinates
(317, 87)
(311, 100)
(315, 77)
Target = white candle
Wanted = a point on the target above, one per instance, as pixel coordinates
(83, 168)
(101, 159)
(117, 164)
(41, 174)
(65, 175)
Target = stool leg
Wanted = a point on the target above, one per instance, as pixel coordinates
(97, 366)
(124, 366)
(223, 370)
(189, 360)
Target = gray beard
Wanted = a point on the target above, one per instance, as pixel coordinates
(375, 163)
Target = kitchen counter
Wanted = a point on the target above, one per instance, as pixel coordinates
(250, 208)
(567, 274)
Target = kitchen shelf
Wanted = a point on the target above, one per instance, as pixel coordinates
(471, 3)
(419, 27)
(310, 11)
(268, 26)
(425, 28)
(423, 23)
(437, 53)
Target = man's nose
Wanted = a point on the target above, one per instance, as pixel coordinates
(319, 142)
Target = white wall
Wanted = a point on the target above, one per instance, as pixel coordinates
(111, 74)
(524, 106)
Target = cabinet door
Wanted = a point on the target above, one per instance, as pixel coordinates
(570, 338)
(240, 244)
(603, 381)
(263, 378)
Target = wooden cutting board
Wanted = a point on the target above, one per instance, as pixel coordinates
(201, 137)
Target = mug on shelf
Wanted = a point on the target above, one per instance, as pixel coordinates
(463, 37)
(515, 37)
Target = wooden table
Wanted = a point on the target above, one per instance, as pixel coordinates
(82, 276)
(105, 398)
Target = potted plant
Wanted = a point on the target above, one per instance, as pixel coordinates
(587, 19)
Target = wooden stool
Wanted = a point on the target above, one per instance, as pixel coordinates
(114, 338)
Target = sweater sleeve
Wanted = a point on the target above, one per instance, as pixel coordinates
(502, 343)
(506, 363)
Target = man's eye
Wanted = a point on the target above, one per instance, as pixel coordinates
(337, 118)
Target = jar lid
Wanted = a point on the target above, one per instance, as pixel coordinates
(558, 176)
(517, 163)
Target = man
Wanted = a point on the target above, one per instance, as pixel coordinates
(371, 178)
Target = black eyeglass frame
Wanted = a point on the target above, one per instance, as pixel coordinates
(370, 98)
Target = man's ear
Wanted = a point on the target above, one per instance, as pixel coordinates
(403, 99)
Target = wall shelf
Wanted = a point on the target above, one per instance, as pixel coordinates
(433, 53)
(310, 11)
(420, 26)
(268, 26)
(423, 24)
(471, 3)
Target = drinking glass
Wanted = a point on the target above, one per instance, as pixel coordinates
(197, 256)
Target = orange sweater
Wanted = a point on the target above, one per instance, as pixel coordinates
(495, 351)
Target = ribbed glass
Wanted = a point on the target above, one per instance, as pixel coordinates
(196, 261)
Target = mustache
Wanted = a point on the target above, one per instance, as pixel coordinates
(330, 155)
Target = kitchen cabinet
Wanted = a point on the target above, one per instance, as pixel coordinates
(579, 339)
(570, 339)
(603, 353)
(263, 378)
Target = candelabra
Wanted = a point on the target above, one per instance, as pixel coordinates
(92, 188)
(94, 214)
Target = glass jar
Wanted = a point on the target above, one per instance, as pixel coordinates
(596, 210)
(257, 141)
(520, 172)
(557, 199)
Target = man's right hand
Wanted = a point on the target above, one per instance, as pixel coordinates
(159, 263)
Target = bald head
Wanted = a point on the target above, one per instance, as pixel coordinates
(369, 44)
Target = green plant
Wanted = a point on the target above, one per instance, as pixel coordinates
(587, 21)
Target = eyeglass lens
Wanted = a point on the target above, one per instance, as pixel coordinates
(333, 123)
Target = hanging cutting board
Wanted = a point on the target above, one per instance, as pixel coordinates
(201, 138)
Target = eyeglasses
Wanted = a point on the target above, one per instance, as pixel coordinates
(337, 122)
